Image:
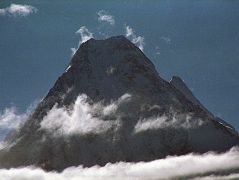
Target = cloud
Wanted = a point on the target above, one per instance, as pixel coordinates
(177, 120)
(137, 40)
(215, 177)
(18, 10)
(84, 118)
(85, 35)
(193, 165)
(104, 17)
(12, 120)
(9, 119)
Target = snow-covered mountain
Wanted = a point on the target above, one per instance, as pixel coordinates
(111, 105)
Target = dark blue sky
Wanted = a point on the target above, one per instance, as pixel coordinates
(197, 40)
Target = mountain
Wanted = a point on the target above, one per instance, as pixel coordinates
(111, 105)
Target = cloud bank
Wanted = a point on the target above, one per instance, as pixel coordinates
(18, 10)
(104, 17)
(137, 40)
(196, 166)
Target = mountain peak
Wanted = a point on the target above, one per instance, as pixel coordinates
(112, 86)
(114, 40)
(111, 49)
(113, 61)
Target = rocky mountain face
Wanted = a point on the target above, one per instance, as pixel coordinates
(111, 105)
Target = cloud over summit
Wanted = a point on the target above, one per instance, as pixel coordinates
(85, 35)
(137, 40)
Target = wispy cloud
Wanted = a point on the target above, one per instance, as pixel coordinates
(171, 167)
(18, 10)
(137, 40)
(103, 16)
(85, 35)
(186, 121)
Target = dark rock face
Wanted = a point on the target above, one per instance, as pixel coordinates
(140, 116)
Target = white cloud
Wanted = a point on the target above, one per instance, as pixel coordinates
(12, 120)
(104, 17)
(151, 123)
(18, 10)
(214, 177)
(84, 33)
(82, 119)
(9, 119)
(137, 40)
(177, 120)
(170, 167)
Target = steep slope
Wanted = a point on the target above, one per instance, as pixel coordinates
(111, 105)
(179, 84)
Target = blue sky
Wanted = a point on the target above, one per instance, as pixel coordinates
(196, 40)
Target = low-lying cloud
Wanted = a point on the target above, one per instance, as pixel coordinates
(137, 40)
(88, 117)
(177, 120)
(103, 16)
(84, 118)
(12, 120)
(195, 166)
(18, 10)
